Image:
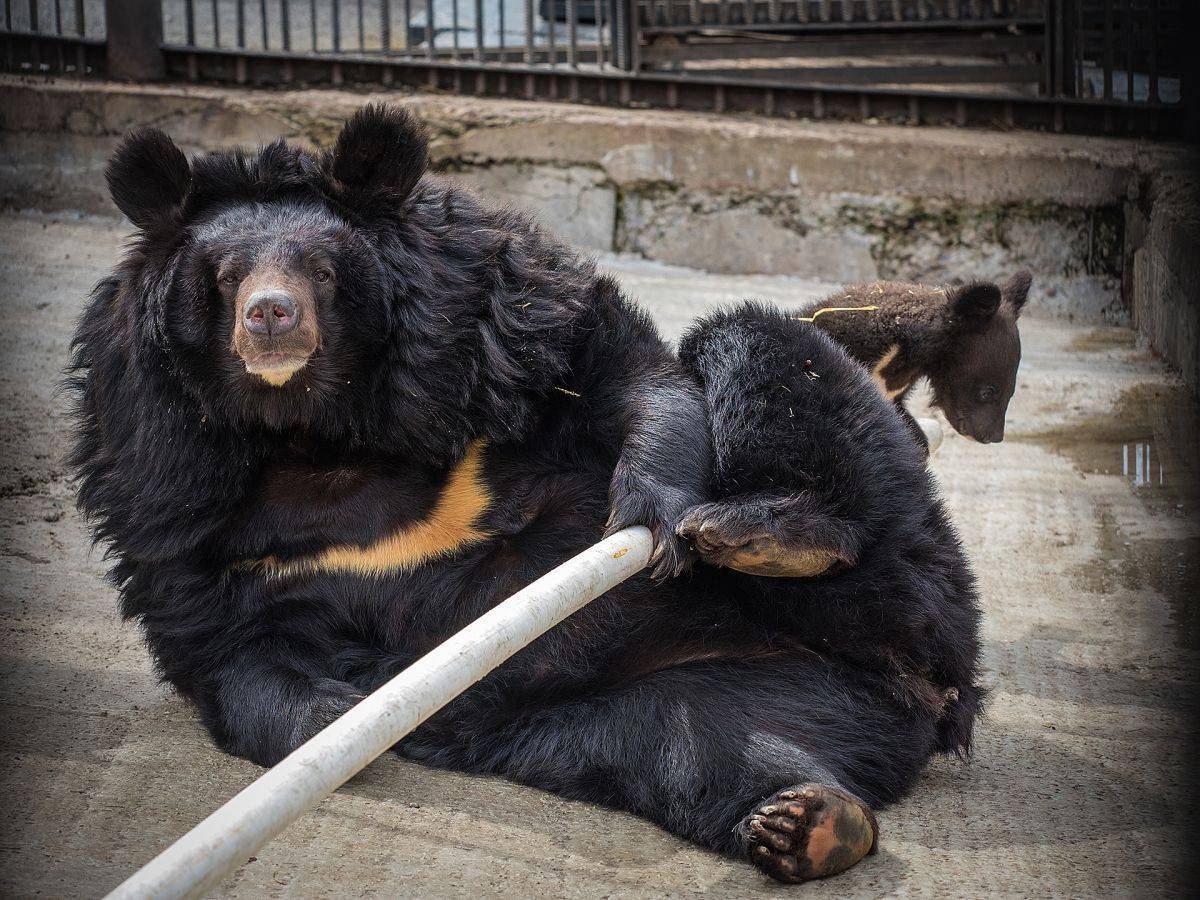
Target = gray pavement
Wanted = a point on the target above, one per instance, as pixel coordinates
(1083, 526)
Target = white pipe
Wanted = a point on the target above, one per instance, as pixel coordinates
(201, 858)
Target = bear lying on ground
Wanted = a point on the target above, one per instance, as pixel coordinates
(333, 408)
(963, 339)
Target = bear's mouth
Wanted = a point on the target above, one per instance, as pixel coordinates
(274, 367)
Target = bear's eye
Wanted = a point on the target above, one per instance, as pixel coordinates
(322, 276)
(987, 393)
(229, 279)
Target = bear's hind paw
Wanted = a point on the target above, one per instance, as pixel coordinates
(812, 831)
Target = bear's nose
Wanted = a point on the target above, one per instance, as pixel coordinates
(270, 313)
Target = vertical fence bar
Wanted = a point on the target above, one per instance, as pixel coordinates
(529, 32)
(551, 51)
(623, 34)
(601, 41)
(80, 29)
(362, 35)
(572, 34)
(479, 31)
(454, 48)
(262, 14)
(58, 17)
(1080, 41)
(8, 14)
(134, 32)
(1108, 49)
(385, 26)
(241, 24)
(1152, 38)
(285, 24)
(429, 54)
(1130, 54)
(33, 15)
(408, 28)
(216, 19)
(500, 29)
(335, 20)
(189, 20)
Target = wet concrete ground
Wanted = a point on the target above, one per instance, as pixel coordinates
(1084, 527)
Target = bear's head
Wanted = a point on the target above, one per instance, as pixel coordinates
(977, 373)
(260, 277)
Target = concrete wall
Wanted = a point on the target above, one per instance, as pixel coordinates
(1107, 226)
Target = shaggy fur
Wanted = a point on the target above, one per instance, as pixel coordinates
(472, 370)
(963, 339)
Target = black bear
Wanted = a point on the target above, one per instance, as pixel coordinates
(963, 339)
(332, 408)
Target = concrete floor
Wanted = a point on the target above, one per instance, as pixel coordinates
(1081, 779)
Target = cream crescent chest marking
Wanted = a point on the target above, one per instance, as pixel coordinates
(452, 524)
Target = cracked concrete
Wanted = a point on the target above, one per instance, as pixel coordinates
(1081, 780)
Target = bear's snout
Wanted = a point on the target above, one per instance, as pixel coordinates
(270, 313)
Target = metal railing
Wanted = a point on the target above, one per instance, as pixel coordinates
(1093, 66)
(57, 36)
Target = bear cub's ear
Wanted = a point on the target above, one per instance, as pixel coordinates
(1016, 289)
(975, 303)
(381, 150)
(148, 177)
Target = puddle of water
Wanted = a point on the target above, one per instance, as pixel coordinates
(1150, 439)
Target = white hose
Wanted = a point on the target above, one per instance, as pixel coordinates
(205, 855)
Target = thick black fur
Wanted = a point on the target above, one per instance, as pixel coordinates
(686, 700)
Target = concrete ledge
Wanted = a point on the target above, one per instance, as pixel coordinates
(1098, 220)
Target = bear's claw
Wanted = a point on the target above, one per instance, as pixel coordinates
(811, 832)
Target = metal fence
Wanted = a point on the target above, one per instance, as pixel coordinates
(1093, 66)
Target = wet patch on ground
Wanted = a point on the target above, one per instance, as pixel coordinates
(1097, 340)
(1150, 439)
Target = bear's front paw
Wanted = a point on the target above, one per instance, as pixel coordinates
(745, 537)
(644, 501)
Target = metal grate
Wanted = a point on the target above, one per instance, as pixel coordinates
(52, 36)
(1092, 66)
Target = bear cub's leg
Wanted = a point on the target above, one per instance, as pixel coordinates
(809, 831)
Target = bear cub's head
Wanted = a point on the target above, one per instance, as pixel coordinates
(976, 376)
(268, 288)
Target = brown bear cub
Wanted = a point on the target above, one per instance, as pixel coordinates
(963, 339)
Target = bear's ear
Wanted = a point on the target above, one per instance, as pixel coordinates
(975, 303)
(382, 150)
(1016, 290)
(148, 177)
